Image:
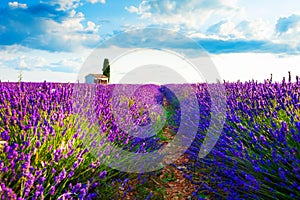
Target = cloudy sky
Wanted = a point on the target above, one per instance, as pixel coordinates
(50, 40)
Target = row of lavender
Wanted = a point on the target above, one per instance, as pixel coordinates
(43, 155)
(46, 132)
(258, 153)
(42, 124)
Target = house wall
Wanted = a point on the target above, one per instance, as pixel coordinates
(89, 79)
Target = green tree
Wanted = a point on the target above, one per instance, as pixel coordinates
(105, 64)
(106, 68)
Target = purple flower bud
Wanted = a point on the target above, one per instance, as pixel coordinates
(70, 152)
(82, 193)
(52, 190)
(75, 136)
(262, 138)
(4, 169)
(102, 174)
(70, 174)
(37, 144)
(57, 154)
(92, 165)
(14, 145)
(75, 165)
(6, 148)
(62, 175)
(12, 164)
(5, 135)
(41, 180)
(64, 132)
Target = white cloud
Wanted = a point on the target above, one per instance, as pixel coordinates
(132, 9)
(22, 63)
(70, 34)
(92, 27)
(96, 1)
(73, 4)
(288, 30)
(40, 61)
(143, 9)
(48, 65)
(218, 19)
(257, 66)
(223, 30)
(67, 4)
(249, 30)
(192, 14)
(256, 29)
(17, 5)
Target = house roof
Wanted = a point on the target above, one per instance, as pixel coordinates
(98, 76)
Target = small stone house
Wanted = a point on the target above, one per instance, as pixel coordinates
(96, 78)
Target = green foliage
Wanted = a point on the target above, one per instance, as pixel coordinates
(169, 177)
(105, 64)
(106, 68)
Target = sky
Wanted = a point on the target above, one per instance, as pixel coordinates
(52, 40)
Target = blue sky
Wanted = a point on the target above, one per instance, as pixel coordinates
(52, 39)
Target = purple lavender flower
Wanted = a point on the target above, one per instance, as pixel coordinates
(5, 135)
(37, 144)
(102, 174)
(52, 190)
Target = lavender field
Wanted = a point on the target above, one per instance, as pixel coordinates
(44, 153)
